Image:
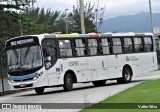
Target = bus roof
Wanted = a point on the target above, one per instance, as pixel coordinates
(76, 35)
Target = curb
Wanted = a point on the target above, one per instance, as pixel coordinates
(7, 93)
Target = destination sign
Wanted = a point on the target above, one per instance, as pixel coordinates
(19, 42)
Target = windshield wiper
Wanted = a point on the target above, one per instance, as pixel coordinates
(33, 59)
(16, 54)
(27, 51)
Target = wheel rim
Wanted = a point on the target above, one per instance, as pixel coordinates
(69, 82)
(127, 75)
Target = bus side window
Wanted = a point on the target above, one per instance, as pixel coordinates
(117, 45)
(148, 44)
(65, 48)
(138, 44)
(128, 45)
(79, 45)
(105, 49)
(92, 47)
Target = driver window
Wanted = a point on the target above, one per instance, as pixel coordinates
(49, 52)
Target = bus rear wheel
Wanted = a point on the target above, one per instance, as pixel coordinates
(126, 76)
(99, 83)
(39, 90)
(68, 82)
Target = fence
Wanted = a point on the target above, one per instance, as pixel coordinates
(4, 86)
(158, 57)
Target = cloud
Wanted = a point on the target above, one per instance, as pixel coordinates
(112, 7)
(129, 7)
(56, 4)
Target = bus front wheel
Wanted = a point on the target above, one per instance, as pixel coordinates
(39, 90)
(126, 76)
(99, 83)
(68, 82)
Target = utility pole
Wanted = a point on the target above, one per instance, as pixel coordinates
(66, 20)
(21, 30)
(66, 26)
(151, 19)
(82, 16)
(96, 10)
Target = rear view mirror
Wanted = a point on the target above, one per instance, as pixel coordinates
(48, 59)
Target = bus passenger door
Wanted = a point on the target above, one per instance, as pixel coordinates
(52, 76)
(50, 59)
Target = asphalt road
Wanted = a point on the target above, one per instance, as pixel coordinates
(82, 93)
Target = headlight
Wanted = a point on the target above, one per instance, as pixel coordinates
(35, 78)
(12, 81)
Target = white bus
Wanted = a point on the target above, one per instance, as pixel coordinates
(54, 60)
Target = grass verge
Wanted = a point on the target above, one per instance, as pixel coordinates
(147, 92)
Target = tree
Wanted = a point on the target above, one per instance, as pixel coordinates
(93, 17)
(16, 4)
(31, 26)
(98, 13)
(43, 17)
(11, 20)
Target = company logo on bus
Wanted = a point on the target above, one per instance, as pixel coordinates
(131, 58)
(127, 58)
(73, 63)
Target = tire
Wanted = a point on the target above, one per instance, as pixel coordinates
(68, 82)
(99, 83)
(39, 90)
(126, 76)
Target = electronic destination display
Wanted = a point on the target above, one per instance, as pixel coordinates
(22, 41)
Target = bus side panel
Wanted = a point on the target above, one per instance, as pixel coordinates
(78, 66)
(130, 62)
(98, 66)
(115, 64)
(134, 61)
(147, 62)
(137, 60)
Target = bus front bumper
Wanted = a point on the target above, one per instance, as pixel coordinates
(39, 82)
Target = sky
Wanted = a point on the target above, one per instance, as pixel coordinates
(113, 8)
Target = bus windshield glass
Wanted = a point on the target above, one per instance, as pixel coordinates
(24, 58)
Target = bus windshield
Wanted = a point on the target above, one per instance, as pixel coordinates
(24, 58)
